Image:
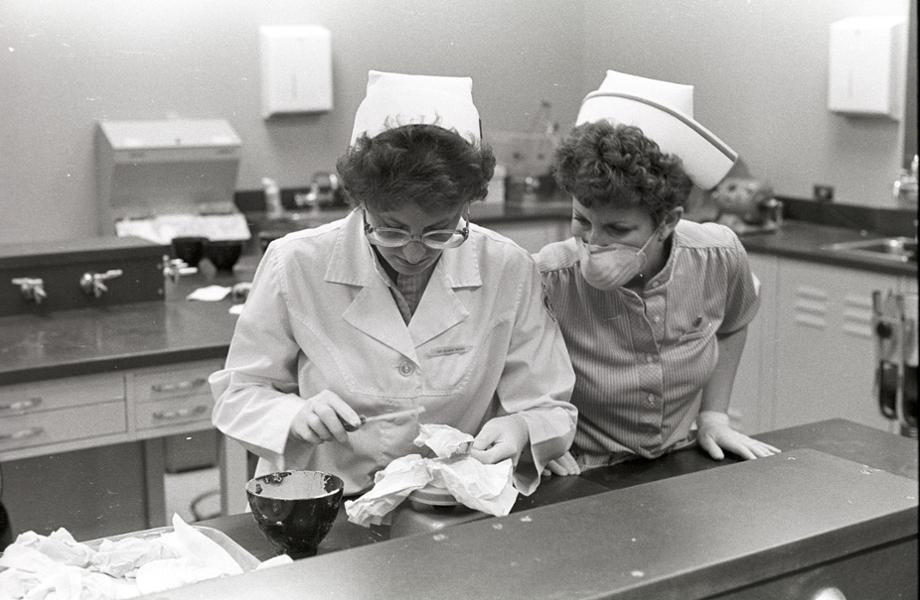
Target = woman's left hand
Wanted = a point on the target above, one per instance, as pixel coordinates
(716, 434)
(501, 438)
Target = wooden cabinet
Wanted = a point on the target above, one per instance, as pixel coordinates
(810, 353)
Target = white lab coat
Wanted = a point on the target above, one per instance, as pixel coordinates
(319, 316)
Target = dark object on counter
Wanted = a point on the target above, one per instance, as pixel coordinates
(189, 248)
(295, 509)
(223, 254)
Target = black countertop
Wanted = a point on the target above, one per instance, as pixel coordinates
(838, 437)
(681, 526)
(87, 341)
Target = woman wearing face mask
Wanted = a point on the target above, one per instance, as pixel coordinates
(403, 304)
(653, 308)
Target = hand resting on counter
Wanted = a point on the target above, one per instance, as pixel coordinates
(716, 434)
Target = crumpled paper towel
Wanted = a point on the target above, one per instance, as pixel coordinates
(210, 293)
(487, 488)
(60, 568)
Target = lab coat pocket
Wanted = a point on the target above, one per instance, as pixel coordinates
(448, 366)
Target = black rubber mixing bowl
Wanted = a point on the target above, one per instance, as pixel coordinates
(223, 254)
(295, 509)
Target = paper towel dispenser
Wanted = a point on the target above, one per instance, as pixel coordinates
(168, 166)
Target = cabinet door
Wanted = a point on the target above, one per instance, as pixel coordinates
(751, 408)
(824, 345)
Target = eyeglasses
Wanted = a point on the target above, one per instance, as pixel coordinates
(439, 239)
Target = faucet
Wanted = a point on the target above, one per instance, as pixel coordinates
(93, 284)
(905, 186)
(32, 288)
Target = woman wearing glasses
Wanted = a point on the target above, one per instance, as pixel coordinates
(403, 304)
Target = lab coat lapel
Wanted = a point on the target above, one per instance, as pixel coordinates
(373, 310)
(440, 308)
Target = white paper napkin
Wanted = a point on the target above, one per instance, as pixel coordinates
(210, 293)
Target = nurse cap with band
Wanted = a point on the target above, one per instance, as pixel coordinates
(395, 99)
(664, 112)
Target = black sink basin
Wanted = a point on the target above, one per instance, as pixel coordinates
(896, 249)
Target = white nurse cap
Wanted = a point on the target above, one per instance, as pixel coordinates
(395, 99)
(664, 112)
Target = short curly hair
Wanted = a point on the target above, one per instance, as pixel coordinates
(427, 164)
(602, 164)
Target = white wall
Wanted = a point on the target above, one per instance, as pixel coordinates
(760, 71)
(64, 65)
(759, 67)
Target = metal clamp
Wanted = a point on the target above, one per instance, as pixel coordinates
(93, 284)
(173, 268)
(32, 288)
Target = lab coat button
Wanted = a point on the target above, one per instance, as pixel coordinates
(406, 369)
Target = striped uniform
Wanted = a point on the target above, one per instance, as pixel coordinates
(642, 359)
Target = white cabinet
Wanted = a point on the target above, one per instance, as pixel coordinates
(750, 409)
(810, 353)
(77, 437)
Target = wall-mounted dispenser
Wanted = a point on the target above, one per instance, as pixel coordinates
(866, 66)
(296, 62)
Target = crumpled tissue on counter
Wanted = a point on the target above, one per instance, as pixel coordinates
(487, 488)
(210, 293)
(57, 567)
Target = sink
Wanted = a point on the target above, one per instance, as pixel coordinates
(895, 249)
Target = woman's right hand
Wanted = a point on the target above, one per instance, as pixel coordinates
(323, 418)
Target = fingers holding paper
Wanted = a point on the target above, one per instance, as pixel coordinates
(501, 438)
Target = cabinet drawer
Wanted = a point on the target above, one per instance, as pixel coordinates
(176, 411)
(190, 380)
(27, 398)
(54, 426)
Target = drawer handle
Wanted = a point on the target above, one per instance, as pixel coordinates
(182, 386)
(22, 434)
(182, 413)
(22, 405)
(829, 593)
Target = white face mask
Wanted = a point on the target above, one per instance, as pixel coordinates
(611, 266)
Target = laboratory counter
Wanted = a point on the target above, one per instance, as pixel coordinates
(86, 341)
(838, 508)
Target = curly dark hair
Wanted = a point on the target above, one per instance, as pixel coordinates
(416, 163)
(601, 164)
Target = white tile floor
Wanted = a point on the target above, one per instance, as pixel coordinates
(199, 487)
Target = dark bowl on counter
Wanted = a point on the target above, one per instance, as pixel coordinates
(295, 509)
(189, 249)
(223, 254)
